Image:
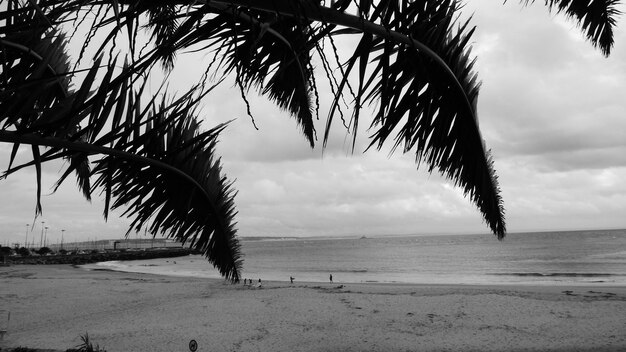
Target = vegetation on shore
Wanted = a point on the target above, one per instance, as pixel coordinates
(85, 346)
(100, 256)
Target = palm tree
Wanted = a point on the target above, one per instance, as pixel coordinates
(145, 150)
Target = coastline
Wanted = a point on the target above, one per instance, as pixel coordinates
(52, 305)
(188, 266)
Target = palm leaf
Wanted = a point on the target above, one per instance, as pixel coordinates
(262, 57)
(200, 212)
(70, 124)
(596, 18)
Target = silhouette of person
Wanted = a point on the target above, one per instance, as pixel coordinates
(291, 279)
(331, 278)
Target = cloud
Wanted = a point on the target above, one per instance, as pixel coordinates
(546, 93)
(360, 194)
(562, 199)
(65, 209)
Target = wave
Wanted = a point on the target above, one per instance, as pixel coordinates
(559, 274)
(351, 270)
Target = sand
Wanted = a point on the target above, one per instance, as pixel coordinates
(51, 306)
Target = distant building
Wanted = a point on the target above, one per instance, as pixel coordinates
(136, 243)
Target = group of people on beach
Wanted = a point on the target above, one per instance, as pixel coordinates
(248, 282)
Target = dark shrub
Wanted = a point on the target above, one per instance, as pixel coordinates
(24, 252)
(44, 251)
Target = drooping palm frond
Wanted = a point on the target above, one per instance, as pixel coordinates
(273, 59)
(156, 163)
(414, 46)
(163, 21)
(197, 207)
(415, 66)
(597, 18)
(433, 107)
(34, 79)
(167, 178)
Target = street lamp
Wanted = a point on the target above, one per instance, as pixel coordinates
(26, 242)
(62, 232)
(41, 239)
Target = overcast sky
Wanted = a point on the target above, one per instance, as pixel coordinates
(551, 108)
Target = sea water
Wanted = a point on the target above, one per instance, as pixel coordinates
(542, 258)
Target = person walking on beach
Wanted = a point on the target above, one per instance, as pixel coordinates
(331, 278)
(291, 279)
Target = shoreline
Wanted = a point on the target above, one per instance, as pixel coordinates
(594, 284)
(538, 287)
(52, 305)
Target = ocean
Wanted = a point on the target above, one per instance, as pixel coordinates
(595, 258)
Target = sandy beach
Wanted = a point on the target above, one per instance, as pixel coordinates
(52, 305)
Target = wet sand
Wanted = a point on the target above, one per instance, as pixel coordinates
(52, 305)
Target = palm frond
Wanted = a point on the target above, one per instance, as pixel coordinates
(168, 180)
(80, 165)
(198, 209)
(163, 20)
(433, 107)
(163, 152)
(596, 18)
(271, 58)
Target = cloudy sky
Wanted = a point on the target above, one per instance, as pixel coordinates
(551, 108)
